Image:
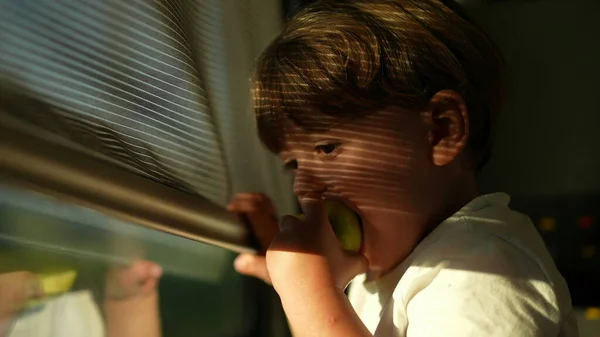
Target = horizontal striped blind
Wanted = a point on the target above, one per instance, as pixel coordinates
(121, 78)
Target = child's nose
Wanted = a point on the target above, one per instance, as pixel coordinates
(306, 181)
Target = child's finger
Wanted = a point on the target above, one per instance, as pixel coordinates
(251, 202)
(237, 199)
(259, 214)
(145, 270)
(252, 265)
(136, 278)
(265, 203)
(234, 204)
(249, 206)
(241, 206)
(257, 197)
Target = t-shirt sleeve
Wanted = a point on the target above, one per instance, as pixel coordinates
(481, 296)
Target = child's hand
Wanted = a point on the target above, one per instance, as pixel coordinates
(16, 288)
(307, 256)
(138, 279)
(260, 213)
(131, 301)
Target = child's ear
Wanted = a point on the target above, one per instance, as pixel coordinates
(448, 122)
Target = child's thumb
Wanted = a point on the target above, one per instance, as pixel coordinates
(130, 280)
(252, 265)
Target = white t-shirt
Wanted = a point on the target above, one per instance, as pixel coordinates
(73, 314)
(485, 271)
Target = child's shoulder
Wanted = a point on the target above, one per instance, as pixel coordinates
(485, 247)
(486, 231)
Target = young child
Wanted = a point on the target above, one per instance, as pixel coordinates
(387, 106)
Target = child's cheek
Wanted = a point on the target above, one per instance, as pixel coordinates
(368, 179)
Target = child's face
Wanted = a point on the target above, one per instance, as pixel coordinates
(380, 166)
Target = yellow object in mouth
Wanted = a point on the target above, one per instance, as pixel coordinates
(346, 225)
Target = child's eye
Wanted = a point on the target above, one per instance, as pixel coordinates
(329, 149)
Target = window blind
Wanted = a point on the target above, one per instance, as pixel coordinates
(137, 95)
